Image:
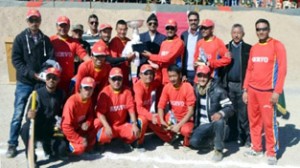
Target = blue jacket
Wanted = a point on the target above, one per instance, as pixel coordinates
(184, 38)
(158, 39)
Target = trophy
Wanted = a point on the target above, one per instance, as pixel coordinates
(134, 24)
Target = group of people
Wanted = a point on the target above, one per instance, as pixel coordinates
(191, 87)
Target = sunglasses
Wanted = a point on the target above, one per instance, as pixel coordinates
(51, 76)
(193, 20)
(201, 75)
(88, 88)
(204, 28)
(118, 78)
(148, 73)
(262, 29)
(34, 20)
(152, 23)
(94, 22)
(99, 56)
(170, 28)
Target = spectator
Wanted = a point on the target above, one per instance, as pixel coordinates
(92, 35)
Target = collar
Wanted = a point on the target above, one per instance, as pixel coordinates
(236, 45)
(265, 43)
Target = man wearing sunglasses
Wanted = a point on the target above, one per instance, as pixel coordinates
(77, 118)
(181, 99)
(190, 38)
(92, 34)
(65, 50)
(170, 51)
(213, 108)
(265, 76)
(114, 106)
(50, 101)
(31, 49)
(211, 50)
(96, 68)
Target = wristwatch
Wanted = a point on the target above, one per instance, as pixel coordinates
(134, 122)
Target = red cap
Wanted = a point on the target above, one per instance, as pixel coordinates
(100, 49)
(104, 26)
(53, 71)
(203, 69)
(63, 19)
(207, 23)
(146, 67)
(33, 12)
(87, 82)
(115, 72)
(171, 22)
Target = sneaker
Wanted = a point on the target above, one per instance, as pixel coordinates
(253, 153)
(218, 156)
(272, 160)
(11, 151)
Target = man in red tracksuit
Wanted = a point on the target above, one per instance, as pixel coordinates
(96, 68)
(65, 50)
(181, 98)
(77, 118)
(115, 104)
(117, 45)
(145, 98)
(266, 71)
(210, 50)
(171, 50)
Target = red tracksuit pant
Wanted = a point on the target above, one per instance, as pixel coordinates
(185, 130)
(262, 117)
(79, 148)
(123, 132)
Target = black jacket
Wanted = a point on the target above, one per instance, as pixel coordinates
(28, 57)
(244, 62)
(217, 100)
(184, 38)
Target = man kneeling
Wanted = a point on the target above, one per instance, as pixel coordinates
(213, 108)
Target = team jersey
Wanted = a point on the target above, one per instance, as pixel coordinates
(100, 75)
(116, 47)
(215, 52)
(65, 51)
(178, 98)
(169, 51)
(142, 96)
(115, 106)
(267, 66)
(74, 114)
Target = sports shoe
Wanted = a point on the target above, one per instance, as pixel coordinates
(11, 151)
(218, 156)
(272, 160)
(253, 153)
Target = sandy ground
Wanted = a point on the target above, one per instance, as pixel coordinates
(159, 155)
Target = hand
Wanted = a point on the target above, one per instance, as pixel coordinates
(130, 56)
(37, 77)
(245, 97)
(154, 119)
(164, 125)
(31, 114)
(199, 64)
(84, 126)
(84, 142)
(175, 128)
(216, 117)
(108, 131)
(135, 130)
(146, 53)
(153, 65)
(184, 78)
(274, 98)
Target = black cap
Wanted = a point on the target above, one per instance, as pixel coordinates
(152, 17)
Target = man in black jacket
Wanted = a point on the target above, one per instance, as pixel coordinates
(190, 38)
(31, 48)
(213, 108)
(50, 101)
(233, 77)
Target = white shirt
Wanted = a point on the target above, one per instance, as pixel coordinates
(191, 46)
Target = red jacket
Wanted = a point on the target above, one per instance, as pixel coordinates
(169, 51)
(74, 114)
(267, 66)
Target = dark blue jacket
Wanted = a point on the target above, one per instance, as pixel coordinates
(184, 38)
(158, 39)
